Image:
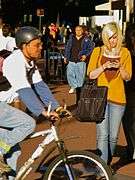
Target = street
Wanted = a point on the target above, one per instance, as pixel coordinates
(84, 134)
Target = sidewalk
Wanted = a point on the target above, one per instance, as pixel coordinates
(85, 138)
(120, 161)
(122, 167)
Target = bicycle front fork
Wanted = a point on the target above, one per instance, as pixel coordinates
(63, 152)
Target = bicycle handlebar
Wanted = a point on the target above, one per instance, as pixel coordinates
(61, 114)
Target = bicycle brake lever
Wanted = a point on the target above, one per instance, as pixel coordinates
(49, 109)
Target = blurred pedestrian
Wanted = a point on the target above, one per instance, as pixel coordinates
(129, 115)
(6, 41)
(1, 25)
(62, 33)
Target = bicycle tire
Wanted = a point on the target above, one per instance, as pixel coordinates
(88, 166)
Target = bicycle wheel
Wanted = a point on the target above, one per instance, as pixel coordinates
(84, 166)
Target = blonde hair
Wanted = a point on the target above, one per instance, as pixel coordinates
(108, 31)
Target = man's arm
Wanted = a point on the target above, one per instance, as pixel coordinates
(29, 98)
(68, 48)
(15, 72)
(45, 94)
(87, 47)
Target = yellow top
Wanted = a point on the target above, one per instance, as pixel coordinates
(116, 92)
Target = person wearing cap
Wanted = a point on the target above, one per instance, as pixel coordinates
(23, 75)
(111, 65)
(15, 126)
(21, 72)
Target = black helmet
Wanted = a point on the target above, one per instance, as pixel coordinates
(26, 34)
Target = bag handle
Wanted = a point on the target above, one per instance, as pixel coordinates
(93, 81)
(98, 56)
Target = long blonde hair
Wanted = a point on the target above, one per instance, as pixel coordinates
(108, 31)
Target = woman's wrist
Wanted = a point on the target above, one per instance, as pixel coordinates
(103, 67)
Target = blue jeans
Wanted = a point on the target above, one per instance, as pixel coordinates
(76, 74)
(108, 129)
(15, 126)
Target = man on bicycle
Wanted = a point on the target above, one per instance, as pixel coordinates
(21, 72)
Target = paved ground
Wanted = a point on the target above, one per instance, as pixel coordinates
(86, 139)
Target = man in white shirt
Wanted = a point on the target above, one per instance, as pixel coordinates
(21, 72)
(1, 25)
(6, 41)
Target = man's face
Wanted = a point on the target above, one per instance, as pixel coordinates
(33, 49)
(5, 31)
(79, 31)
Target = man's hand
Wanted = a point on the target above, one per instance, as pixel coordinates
(83, 58)
(54, 115)
(65, 61)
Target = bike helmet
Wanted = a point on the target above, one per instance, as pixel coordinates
(26, 34)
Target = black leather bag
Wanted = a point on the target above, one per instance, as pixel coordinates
(92, 104)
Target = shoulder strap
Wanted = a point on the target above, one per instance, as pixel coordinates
(98, 56)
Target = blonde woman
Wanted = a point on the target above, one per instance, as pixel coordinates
(111, 65)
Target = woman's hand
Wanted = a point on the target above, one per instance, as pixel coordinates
(116, 64)
(109, 64)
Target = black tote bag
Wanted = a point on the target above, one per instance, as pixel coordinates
(92, 104)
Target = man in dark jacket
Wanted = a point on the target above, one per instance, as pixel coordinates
(77, 50)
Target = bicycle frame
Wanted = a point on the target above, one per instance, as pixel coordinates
(51, 135)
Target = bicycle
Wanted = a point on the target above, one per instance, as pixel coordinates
(76, 165)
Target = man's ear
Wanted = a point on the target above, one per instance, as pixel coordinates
(23, 46)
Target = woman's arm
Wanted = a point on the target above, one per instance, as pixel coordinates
(125, 67)
(124, 74)
(96, 72)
